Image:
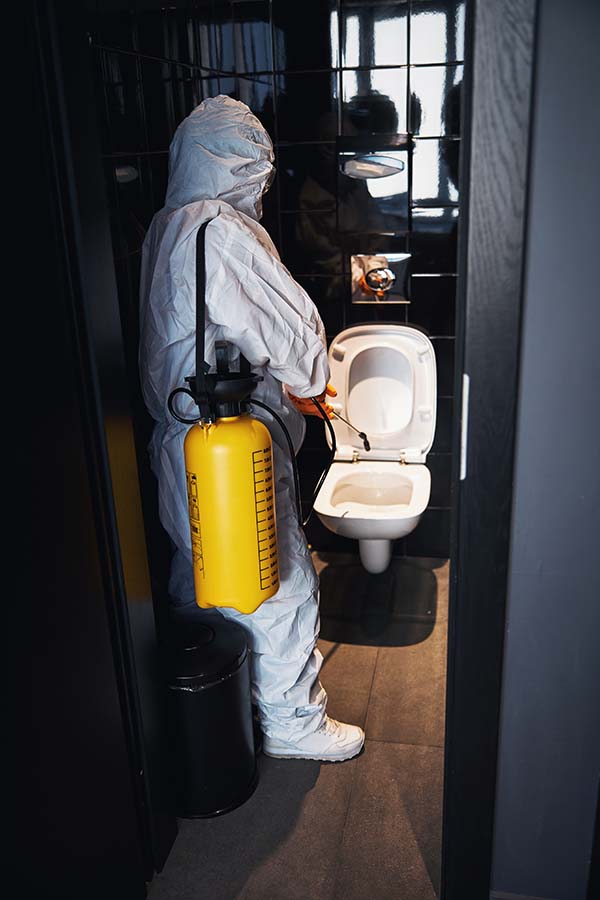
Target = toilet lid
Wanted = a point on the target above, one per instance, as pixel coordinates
(385, 376)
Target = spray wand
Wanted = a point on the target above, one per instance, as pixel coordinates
(361, 434)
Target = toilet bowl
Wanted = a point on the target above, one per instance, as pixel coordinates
(385, 376)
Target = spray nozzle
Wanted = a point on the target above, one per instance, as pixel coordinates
(361, 434)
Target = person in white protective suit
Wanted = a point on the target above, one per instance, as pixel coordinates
(220, 165)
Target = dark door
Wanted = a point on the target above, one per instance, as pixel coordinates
(86, 822)
(80, 830)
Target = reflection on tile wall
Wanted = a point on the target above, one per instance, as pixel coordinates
(311, 71)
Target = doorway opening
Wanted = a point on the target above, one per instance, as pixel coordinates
(378, 632)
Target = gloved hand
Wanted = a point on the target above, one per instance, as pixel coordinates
(308, 408)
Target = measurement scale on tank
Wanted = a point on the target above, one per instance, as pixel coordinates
(265, 518)
(194, 511)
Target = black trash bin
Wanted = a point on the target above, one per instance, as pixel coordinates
(211, 732)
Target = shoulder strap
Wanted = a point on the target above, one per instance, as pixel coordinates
(201, 367)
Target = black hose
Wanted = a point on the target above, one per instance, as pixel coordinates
(325, 471)
(171, 405)
(303, 521)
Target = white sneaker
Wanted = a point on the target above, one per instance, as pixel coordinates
(333, 741)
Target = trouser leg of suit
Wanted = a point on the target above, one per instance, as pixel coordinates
(283, 632)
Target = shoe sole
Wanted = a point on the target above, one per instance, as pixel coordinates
(351, 755)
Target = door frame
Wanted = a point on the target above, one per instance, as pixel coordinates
(496, 112)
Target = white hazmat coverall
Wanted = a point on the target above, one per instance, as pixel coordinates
(220, 164)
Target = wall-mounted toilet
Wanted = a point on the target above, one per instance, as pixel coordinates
(385, 376)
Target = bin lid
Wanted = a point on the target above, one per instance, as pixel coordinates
(204, 650)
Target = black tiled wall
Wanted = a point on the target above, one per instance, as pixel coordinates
(311, 71)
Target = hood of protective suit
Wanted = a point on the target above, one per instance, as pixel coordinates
(220, 152)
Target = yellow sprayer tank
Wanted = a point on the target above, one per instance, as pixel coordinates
(231, 497)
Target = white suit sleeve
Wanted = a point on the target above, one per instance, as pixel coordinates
(262, 310)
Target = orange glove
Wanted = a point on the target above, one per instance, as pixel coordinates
(308, 408)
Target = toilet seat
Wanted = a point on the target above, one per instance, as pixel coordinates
(385, 377)
(374, 490)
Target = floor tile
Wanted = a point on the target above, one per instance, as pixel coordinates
(284, 842)
(347, 665)
(392, 838)
(407, 702)
(347, 675)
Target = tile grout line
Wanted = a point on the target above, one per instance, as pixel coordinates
(371, 688)
(406, 744)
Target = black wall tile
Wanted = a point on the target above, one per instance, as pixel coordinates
(124, 125)
(306, 106)
(433, 241)
(131, 188)
(245, 40)
(376, 312)
(232, 37)
(302, 34)
(127, 271)
(209, 20)
(437, 31)
(444, 357)
(442, 441)
(332, 315)
(399, 547)
(374, 34)
(270, 218)
(256, 92)
(435, 172)
(435, 100)
(113, 27)
(170, 93)
(431, 537)
(315, 440)
(307, 176)
(374, 244)
(311, 243)
(159, 173)
(328, 295)
(325, 291)
(177, 38)
(211, 87)
(311, 463)
(374, 101)
(439, 464)
(362, 209)
(152, 34)
(432, 303)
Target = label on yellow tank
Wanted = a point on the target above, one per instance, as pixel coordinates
(264, 502)
(192, 492)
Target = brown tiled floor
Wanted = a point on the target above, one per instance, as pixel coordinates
(370, 827)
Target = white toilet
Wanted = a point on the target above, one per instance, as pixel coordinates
(385, 376)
